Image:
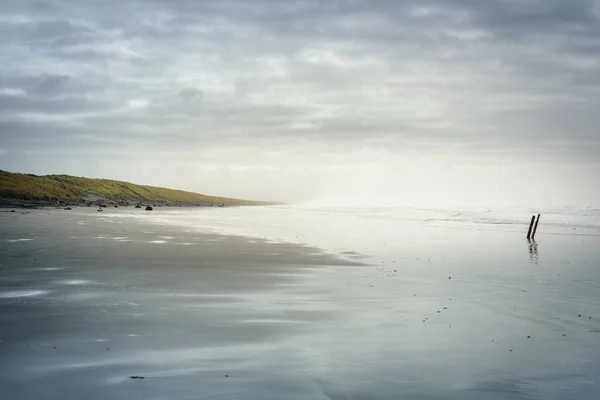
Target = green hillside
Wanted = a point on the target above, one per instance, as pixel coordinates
(71, 188)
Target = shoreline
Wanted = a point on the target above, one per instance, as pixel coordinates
(106, 203)
(72, 228)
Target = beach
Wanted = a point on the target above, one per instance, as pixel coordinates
(285, 303)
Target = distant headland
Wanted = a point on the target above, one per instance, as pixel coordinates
(27, 190)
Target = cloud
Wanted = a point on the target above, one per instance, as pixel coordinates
(501, 79)
(23, 104)
(190, 93)
(48, 85)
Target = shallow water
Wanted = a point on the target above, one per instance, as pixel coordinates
(380, 307)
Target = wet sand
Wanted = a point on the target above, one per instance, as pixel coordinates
(83, 308)
(85, 305)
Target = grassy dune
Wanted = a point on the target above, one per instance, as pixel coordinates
(71, 188)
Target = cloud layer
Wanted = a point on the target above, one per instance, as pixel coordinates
(298, 87)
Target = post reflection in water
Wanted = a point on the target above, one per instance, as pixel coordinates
(533, 251)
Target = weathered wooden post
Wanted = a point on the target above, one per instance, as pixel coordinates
(530, 227)
(537, 221)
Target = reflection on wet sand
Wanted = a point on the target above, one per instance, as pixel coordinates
(533, 251)
(227, 318)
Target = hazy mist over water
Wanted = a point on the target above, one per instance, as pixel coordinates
(370, 229)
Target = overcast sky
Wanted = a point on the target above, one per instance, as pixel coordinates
(420, 102)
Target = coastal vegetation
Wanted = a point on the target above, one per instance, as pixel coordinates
(74, 189)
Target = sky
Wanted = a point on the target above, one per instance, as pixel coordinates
(341, 102)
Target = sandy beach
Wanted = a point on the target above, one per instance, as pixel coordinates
(124, 307)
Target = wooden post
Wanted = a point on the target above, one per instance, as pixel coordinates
(537, 221)
(530, 227)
